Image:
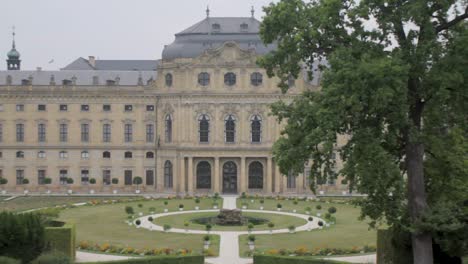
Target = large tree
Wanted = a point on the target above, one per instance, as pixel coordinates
(394, 84)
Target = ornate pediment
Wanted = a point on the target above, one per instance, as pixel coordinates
(203, 109)
(256, 109)
(227, 55)
(168, 109)
(229, 109)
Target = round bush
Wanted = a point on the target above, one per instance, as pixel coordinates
(251, 238)
(250, 226)
(197, 200)
(318, 207)
(3, 181)
(310, 218)
(206, 238)
(55, 258)
(295, 202)
(279, 206)
(140, 205)
(320, 223)
(166, 202)
(137, 222)
(70, 181)
(129, 210)
(115, 181)
(25, 181)
(271, 225)
(166, 227)
(208, 227)
(262, 201)
(181, 206)
(150, 219)
(92, 181)
(332, 210)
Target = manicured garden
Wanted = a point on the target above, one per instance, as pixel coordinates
(347, 236)
(103, 226)
(181, 221)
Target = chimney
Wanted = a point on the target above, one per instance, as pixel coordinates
(92, 61)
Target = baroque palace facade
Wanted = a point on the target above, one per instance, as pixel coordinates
(197, 121)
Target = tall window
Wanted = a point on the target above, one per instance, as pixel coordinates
(168, 80)
(128, 177)
(20, 154)
(203, 175)
(63, 132)
(106, 177)
(128, 155)
(106, 133)
(149, 155)
(168, 128)
(256, 129)
(1, 132)
(230, 128)
(204, 128)
(63, 176)
(84, 132)
(168, 174)
(128, 132)
(41, 132)
(256, 79)
(150, 177)
(41, 175)
(19, 177)
(256, 175)
(291, 181)
(84, 177)
(204, 78)
(149, 133)
(19, 132)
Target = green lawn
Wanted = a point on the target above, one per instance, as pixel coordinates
(348, 232)
(106, 224)
(31, 202)
(280, 221)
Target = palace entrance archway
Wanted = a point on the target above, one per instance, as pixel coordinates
(230, 177)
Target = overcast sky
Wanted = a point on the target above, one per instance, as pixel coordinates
(63, 30)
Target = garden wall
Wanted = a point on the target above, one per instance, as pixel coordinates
(159, 260)
(266, 259)
(61, 239)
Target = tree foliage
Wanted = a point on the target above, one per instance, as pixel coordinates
(394, 86)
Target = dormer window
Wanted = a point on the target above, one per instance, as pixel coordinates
(168, 80)
(216, 27)
(25, 82)
(66, 82)
(110, 82)
(244, 27)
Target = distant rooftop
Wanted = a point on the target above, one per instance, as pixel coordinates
(111, 65)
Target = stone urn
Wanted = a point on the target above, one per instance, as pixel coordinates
(26, 192)
(137, 191)
(91, 191)
(197, 208)
(206, 244)
(115, 191)
(261, 207)
(165, 210)
(251, 245)
(294, 211)
(319, 214)
(69, 191)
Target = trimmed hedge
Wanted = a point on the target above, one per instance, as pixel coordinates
(61, 239)
(268, 259)
(159, 260)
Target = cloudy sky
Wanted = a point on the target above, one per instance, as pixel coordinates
(63, 30)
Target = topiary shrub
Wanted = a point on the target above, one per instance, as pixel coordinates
(150, 219)
(206, 238)
(70, 181)
(197, 200)
(250, 226)
(115, 181)
(138, 222)
(271, 225)
(140, 205)
(47, 180)
(310, 219)
(208, 227)
(92, 181)
(25, 181)
(279, 206)
(318, 207)
(251, 238)
(3, 181)
(320, 223)
(181, 206)
(166, 227)
(52, 258)
(332, 210)
(129, 210)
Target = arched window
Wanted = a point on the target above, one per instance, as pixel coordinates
(106, 154)
(256, 79)
(256, 175)
(168, 128)
(229, 78)
(203, 78)
(168, 80)
(256, 129)
(168, 174)
(149, 155)
(230, 129)
(204, 128)
(203, 175)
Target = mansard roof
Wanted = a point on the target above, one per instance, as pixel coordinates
(212, 32)
(113, 65)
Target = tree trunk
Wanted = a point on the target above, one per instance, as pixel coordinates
(417, 198)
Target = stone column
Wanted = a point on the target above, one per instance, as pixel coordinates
(269, 175)
(277, 179)
(182, 175)
(190, 176)
(243, 176)
(216, 175)
(175, 175)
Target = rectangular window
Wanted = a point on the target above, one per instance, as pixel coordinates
(19, 177)
(19, 132)
(41, 132)
(63, 176)
(1, 132)
(63, 155)
(128, 133)
(150, 177)
(41, 107)
(84, 177)
(150, 108)
(41, 175)
(291, 181)
(149, 133)
(84, 108)
(106, 108)
(84, 132)
(106, 177)
(63, 132)
(63, 107)
(20, 108)
(128, 177)
(128, 108)
(106, 133)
